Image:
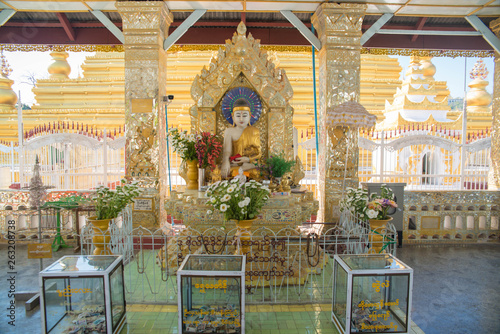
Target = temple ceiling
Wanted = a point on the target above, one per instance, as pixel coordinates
(413, 24)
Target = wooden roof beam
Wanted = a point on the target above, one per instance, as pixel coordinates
(418, 26)
(68, 29)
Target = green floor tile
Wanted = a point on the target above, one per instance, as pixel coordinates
(304, 323)
(268, 325)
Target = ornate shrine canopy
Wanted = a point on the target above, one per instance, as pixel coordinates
(410, 24)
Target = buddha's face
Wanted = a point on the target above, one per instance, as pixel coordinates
(241, 118)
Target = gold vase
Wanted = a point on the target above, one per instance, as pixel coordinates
(244, 234)
(101, 237)
(192, 174)
(378, 231)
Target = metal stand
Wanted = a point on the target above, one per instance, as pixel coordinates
(58, 240)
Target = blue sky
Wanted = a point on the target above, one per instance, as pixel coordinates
(450, 70)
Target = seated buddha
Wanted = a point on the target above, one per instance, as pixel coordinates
(241, 148)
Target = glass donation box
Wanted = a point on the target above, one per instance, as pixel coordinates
(371, 294)
(211, 294)
(83, 294)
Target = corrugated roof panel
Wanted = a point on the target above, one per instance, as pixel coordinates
(34, 16)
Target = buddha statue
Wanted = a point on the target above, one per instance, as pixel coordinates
(241, 148)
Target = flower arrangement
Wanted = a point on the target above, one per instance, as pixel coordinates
(375, 206)
(109, 203)
(379, 204)
(277, 165)
(208, 148)
(183, 143)
(240, 201)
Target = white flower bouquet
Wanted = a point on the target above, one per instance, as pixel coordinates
(235, 200)
(375, 206)
(355, 201)
(109, 203)
(183, 143)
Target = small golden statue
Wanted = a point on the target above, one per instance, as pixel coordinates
(286, 182)
(297, 173)
(216, 175)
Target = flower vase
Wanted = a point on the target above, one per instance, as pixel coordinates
(244, 234)
(201, 178)
(378, 235)
(101, 236)
(192, 174)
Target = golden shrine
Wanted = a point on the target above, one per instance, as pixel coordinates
(243, 64)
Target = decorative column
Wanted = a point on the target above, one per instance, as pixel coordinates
(145, 27)
(494, 174)
(339, 30)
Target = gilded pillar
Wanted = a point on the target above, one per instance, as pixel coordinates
(339, 30)
(145, 27)
(494, 173)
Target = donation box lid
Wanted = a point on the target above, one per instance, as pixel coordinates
(373, 262)
(81, 263)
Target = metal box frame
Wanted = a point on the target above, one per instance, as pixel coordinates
(50, 273)
(182, 272)
(399, 269)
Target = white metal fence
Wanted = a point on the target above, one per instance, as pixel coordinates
(424, 159)
(69, 160)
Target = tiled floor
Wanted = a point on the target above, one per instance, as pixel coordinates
(262, 319)
(455, 291)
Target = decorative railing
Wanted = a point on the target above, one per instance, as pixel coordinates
(15, 205)
(451, 216)
(70, 158)
(287, 266)
(425, 159)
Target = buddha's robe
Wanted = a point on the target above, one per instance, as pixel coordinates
(248, 145)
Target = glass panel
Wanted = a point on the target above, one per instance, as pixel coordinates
(81, 263)
(372, 261)
(213, 263)
(117, 298)
(379, 303)
(211, 304)
(340, 294)
(74, 305)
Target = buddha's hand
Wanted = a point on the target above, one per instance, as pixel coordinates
(242, 160)
(224, 170)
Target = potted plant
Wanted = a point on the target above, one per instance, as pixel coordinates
(275, 166)
(108, 204)
(238, 201)
(184, 144)
(373, 208)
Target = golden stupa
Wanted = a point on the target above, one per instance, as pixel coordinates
(96, 99)
(421, 101)
(479, 115)
(8, 99)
